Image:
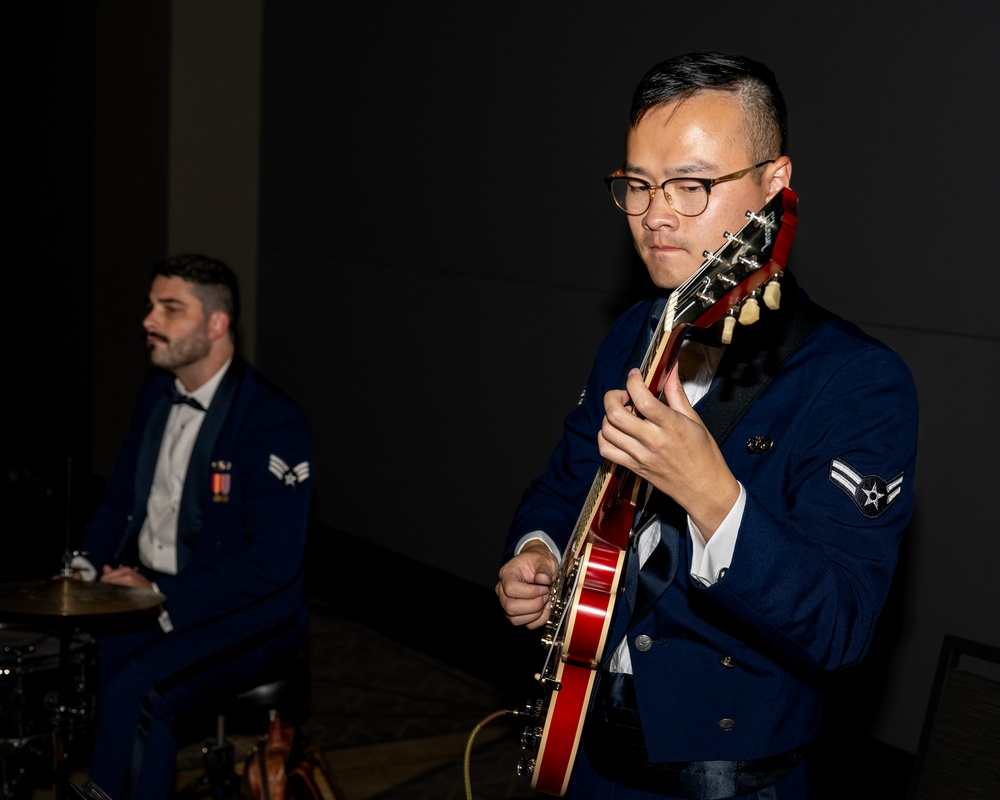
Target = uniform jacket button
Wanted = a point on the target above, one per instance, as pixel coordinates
(728, 661)
(726, 724)
(643, 643)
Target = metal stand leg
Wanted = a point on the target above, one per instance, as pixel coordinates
(219, 779)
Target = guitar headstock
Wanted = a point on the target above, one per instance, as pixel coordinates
(727, 284)
(730, 281)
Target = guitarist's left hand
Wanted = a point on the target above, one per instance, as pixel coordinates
(667, 444)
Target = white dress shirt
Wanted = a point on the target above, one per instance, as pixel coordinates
(158, 536)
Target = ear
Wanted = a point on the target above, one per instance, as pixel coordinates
(218, 325)
(781, 176)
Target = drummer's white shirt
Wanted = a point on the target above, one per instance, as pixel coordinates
(158, 536)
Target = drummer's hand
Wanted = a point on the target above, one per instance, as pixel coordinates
(124, 576)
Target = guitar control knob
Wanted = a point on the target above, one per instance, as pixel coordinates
(772, 295)
(525, 766)
(530, 738)
(750, 312)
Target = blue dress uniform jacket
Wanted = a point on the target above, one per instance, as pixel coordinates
(240, 550)
(238, 601)
(826, 455)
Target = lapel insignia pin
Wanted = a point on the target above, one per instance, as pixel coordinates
(871, 494)
(290, 476)
(759, 444)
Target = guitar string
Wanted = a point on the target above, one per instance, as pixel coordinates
(682, 297)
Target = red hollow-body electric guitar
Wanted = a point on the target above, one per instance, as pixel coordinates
(727, 285)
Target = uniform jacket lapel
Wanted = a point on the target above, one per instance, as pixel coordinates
(660, 568)
(149, 452)
(197, 484)
(745, 369)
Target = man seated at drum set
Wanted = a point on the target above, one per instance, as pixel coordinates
(199, 537)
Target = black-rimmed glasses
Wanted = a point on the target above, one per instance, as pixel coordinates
(687, 196)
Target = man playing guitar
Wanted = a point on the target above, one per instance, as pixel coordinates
(772, 478)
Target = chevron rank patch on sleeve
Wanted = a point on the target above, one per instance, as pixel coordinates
(872, 494)
(290, 476)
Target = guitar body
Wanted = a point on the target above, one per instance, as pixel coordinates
(584, 591)
(587, 631)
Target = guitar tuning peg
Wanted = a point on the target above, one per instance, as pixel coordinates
(750, 312)
(728, 324)
(772, 294)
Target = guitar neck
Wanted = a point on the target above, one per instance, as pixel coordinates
(583, 593)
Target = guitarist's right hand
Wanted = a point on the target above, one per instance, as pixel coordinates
(523, 587)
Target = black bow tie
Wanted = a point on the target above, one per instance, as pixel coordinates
(177, 397)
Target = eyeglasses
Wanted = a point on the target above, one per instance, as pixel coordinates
(687, 196)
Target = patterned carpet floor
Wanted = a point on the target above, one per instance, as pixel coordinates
(396, 723)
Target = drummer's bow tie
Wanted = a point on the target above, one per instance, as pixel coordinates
(177, 397)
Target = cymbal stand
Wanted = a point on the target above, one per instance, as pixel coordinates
(63, 713)
(60, 714)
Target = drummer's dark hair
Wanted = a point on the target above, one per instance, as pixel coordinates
(215, 283)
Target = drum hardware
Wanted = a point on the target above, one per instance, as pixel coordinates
(29, 682)
(33, 716)
(67, 603)
(64, 601)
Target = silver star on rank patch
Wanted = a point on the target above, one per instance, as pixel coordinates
(872, 494)
(290, 476)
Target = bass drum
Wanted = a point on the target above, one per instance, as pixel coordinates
(30, 685)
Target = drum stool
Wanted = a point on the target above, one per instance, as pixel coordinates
(286, 692)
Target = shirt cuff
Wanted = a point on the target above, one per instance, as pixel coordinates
(710, 560)
(540, 536)
(88, 571)
(164, 618)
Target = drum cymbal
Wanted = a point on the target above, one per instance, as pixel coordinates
(66, 597)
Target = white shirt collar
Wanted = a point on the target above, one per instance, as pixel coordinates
(204, 393)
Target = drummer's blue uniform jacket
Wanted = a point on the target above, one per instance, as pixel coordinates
(244, 509)
(826, 454)
(237, 604)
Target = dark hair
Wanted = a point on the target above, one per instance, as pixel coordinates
(215, 284)
(755, 86)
